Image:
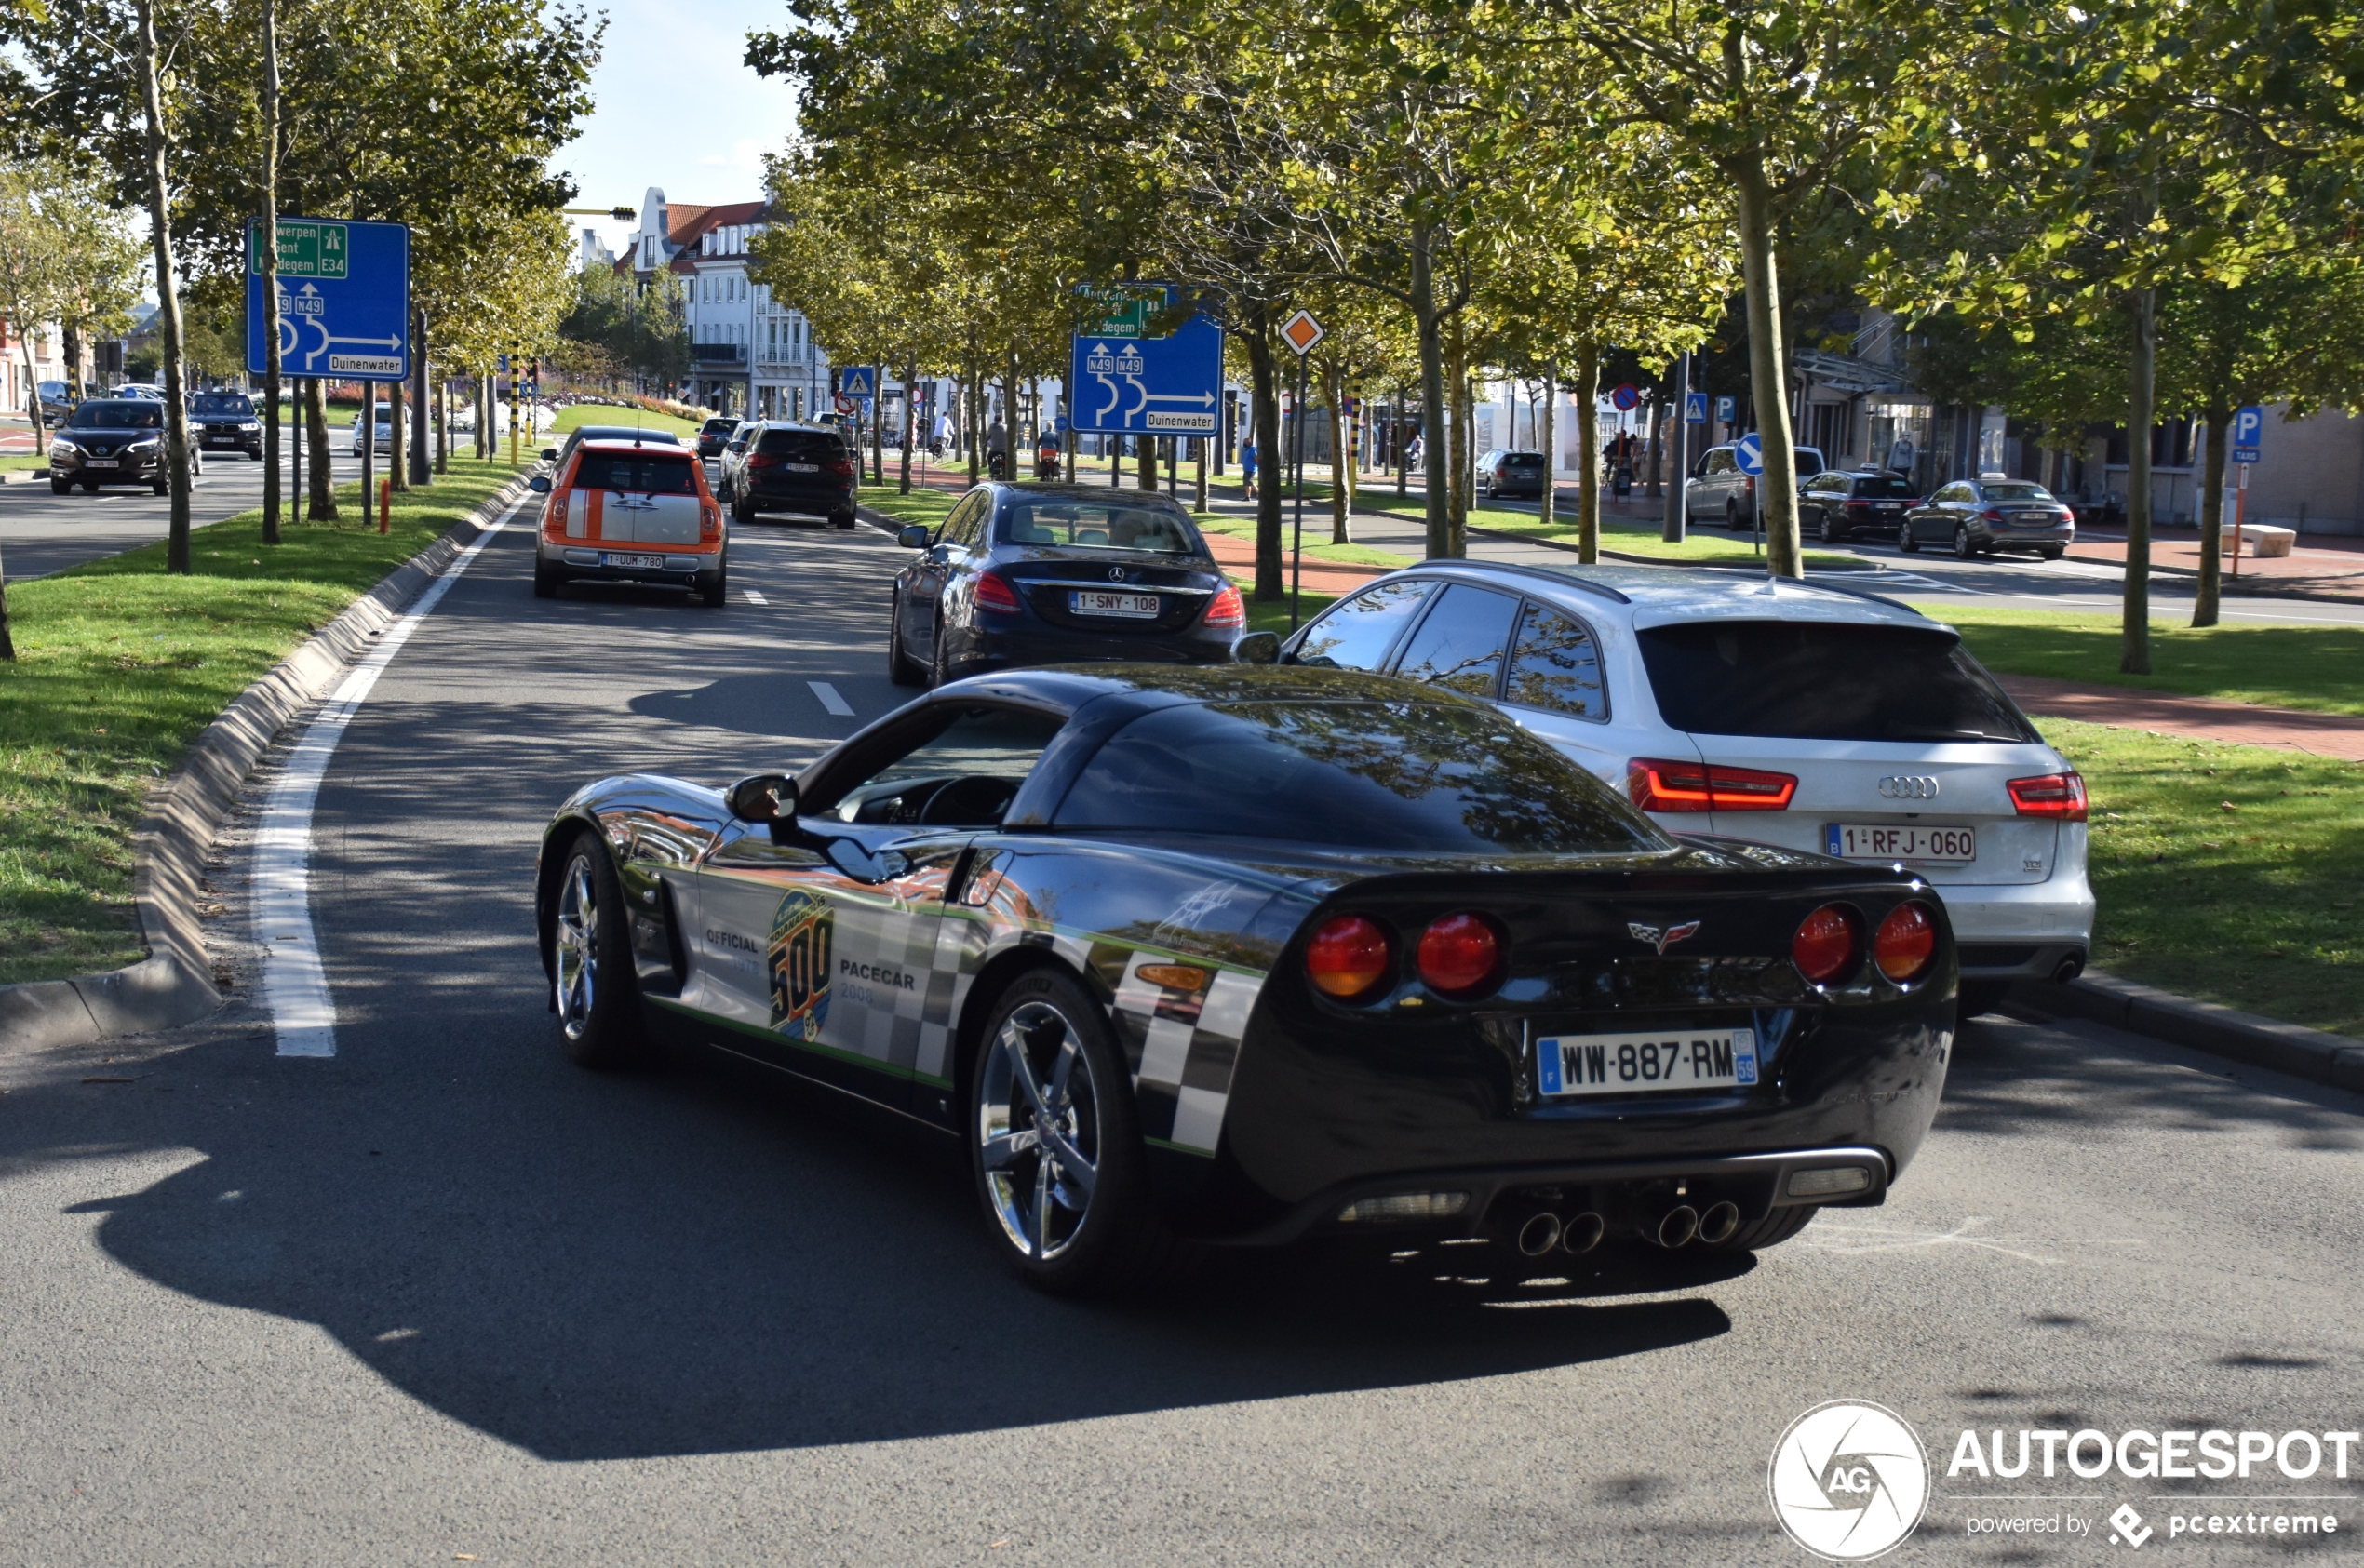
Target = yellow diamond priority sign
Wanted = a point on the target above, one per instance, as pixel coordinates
(1302, 332)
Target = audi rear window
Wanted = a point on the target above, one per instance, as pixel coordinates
(646, 473)
(1817, 681)
(1397, 775)
(801, 446)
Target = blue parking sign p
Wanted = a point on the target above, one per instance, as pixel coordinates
(2248, 431)
(1727, 409)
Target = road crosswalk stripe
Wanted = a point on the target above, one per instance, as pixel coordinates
(830, 698)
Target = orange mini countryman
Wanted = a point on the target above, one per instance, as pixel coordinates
(622, 512)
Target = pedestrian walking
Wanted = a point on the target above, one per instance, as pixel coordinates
(1247, 470)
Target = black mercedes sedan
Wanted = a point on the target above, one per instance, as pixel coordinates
(1047, 573)
(1984, 516)
(1262, 953)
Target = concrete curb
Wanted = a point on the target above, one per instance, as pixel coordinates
(174, 984)
(2313, 1055)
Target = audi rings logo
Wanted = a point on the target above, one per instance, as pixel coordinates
(1922, 788)
(1848, 1480)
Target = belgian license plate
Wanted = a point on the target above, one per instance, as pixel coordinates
(1138, 606)
(1570, 1066)
(98, 462)
(2035, 519)
(1854, 840)
(641, 563)
(802, 467)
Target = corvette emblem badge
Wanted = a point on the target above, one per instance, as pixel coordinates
(1663, 939)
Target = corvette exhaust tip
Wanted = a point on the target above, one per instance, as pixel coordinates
(1720, 1221)
(1539, 1234)
(1680, 1224)
(1582, 1233)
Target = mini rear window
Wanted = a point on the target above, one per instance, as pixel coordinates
(801, 446)
(1395, 775)
(647, 473)
(1820, 681)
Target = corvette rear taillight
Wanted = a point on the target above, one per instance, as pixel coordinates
(1824, 947)
(1656, 784)
(1227, 610)
(996, 596)
(1349, 958)
(1460, 956)
(1905, 942)
(2059, 795)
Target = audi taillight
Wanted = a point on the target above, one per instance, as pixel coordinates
(1905, 942)
(1349, 958)
(2057, 796)
(1656, 784)
(1824, 947)
(1459, 956)
(995, 595)
(1227, 610)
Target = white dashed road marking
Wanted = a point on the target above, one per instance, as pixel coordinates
(830, 698)
(754, 597)
(295, 985)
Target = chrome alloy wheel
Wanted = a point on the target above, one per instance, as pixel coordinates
(577, 943)
(1039, 1130)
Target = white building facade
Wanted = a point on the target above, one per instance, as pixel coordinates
(752, 355)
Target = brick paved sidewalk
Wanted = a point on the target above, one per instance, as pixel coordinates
(2325, 565)
(2205, 719)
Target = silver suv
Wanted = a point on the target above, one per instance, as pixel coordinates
(1717, 490)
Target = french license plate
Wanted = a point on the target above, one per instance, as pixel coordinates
(642, 563)
(1570, 1066)
(802, 467)
(1852, 840)
(1141, 606)
(99, 462)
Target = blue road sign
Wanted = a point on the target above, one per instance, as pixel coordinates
(1695, 408)
(858, 380)
(1121, 381)
(1626, 398)
(2248, 430)
(1750, 454)
(344, 300)
(1727, 409)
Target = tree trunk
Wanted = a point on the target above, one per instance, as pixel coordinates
(443, 422)
(421, 471)
(1678, 520)
(322, 507)
(1402, 447)
(74, 358)
(1263, 379)
(397, 409)
(7, 643)
(1585, 396)
(176, 415)
(2204, 603)
(973, 406)
(2134, 654)
(267, 251)
(1768, 380)
(1658, 450)
(1341, 461)
(1547, 436)
(910, 426)
(1463, 457)
(1437, 464)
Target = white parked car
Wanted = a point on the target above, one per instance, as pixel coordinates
(384, 441)
(1807, 717)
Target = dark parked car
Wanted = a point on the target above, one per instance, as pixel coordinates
(1982, 516)
(1503, 473)
(714, 433)
(1256, 954)
(225, 419)
(1840, 504)
(800, 469)
(1717, 490)
(1049, 574)
(57, 402)
(111, 441)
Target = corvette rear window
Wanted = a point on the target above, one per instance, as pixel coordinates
(1393, 775)
(647, 472)
(1817, 681)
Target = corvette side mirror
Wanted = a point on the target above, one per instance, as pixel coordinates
(763, 798)
(539, 484)
(1257, 647)
(914, 537)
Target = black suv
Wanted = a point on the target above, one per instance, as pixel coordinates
(714, 433)
(225, 419)
(111, 441)
(798, 468)
(1840, 503)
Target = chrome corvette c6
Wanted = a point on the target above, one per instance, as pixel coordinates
(1249, 953)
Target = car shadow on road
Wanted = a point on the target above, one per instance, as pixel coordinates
(684, 1261)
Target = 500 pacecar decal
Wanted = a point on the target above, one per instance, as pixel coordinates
(799, 956)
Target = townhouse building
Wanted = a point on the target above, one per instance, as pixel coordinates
(751, 353)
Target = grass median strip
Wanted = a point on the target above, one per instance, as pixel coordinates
(120, 666)
(2228, 873)
(2318, 668)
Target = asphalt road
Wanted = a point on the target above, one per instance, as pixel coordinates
(42, 532)
(445, 1294)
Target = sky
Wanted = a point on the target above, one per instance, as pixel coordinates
(674, 106)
